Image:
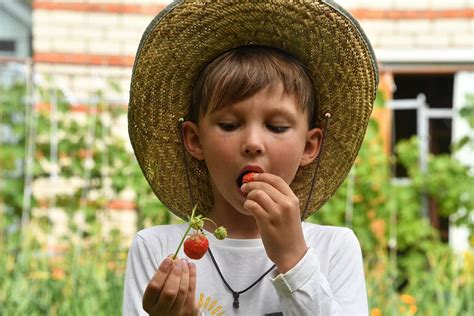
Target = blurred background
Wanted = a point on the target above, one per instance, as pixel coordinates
(72, 196)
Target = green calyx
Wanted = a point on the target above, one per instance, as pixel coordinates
(197, 223)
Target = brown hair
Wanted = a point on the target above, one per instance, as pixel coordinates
(242, 72)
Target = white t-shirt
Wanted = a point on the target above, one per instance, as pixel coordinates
(328, 280)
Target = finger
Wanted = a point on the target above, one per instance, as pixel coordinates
(270, 190)
(152, 291)
(170, 289)
(276, 181)
(277, 206)
(183, 287)
(263, 199)
(190, 303)
(261, 216)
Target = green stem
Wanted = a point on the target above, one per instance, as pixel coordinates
(208, 219)
(185, 234)
(181, 243)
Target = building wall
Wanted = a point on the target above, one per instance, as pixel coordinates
(424, 31)
(85, 43)
(13, 29)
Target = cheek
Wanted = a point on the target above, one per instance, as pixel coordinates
(289, 160)
(218, 153)
(290, 169)
(218, 146)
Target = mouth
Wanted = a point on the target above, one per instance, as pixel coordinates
(247, 170)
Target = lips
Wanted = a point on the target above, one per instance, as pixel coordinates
(244, 171)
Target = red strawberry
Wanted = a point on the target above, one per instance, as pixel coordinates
(248, 177)
(196, 245)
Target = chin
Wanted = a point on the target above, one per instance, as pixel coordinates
(243, 211)
(238, 206)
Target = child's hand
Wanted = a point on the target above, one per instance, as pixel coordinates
(172, 289)
(277, 212)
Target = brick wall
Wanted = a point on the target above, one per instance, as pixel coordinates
(407, 4)
(420, 33)
(84, 43)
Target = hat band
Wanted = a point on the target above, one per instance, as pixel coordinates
(327, 116)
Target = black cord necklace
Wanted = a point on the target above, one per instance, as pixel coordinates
(236, 294)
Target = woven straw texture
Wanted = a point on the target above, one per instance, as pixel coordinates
(188, 34)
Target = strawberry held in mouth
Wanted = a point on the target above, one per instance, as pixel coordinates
(246, 175)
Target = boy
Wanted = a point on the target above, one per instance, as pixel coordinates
(258, 83)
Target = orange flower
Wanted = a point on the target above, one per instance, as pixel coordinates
(375, 187)
(43, 107)
(112, 265)
(375, 312)
(378, 228)
(408, 299)
(357, 198)
(371, 214)
(57, 274)
(85, 153)
(412, 309)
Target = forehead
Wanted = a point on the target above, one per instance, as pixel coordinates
(272, 97)
(272, 101)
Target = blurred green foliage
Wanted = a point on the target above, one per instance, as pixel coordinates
(88, 147)
(13, 133)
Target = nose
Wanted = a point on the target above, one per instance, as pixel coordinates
(253, 143)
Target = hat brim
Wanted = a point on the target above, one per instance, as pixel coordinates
(186, 35)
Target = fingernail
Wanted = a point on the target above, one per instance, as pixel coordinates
(243, 187)
(167, 263)
(179, 264)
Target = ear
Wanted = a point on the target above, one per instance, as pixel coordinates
(312, 147)
(191, 140)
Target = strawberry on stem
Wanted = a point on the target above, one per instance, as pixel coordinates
(197, 244)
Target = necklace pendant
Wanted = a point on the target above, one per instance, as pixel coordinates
(236, 300)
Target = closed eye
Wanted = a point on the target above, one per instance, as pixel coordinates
(228, 127)
(277, 128)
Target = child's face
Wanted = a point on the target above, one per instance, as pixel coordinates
(266, 133)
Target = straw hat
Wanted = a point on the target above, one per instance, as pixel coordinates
(187, 35)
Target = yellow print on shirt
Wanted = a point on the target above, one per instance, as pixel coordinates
(211, 305)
